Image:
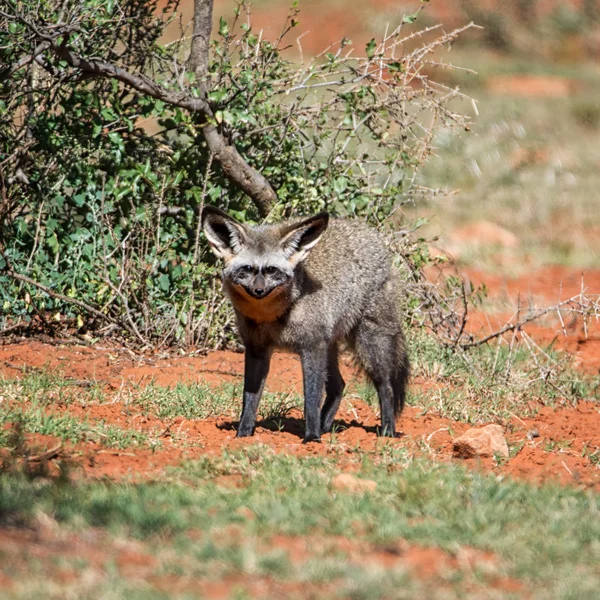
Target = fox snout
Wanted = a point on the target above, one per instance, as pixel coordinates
(258, 288)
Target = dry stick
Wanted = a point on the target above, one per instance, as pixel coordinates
(20, 325)
(23, 62)
(463, 316)
(74, 301)
(36, 238)
(132, 329)
(201, 207)
(545, 373)
(585, 329)
(519, 324)
(52, 453)
(59, 296)
(115, 453)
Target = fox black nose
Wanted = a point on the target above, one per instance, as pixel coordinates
(260, 292)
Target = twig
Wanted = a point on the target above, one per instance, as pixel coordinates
(519, 324)
(80, 303)
(47, 455)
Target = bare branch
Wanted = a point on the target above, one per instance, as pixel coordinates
(83, 305)
(520, 323)
(24, 61)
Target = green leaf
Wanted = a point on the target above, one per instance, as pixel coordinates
(217, 95)
(410, 18)
(229, 117)
(51, 224)
(79, 199)
(52, 242)
(340, 185)
(370, 48)
(115, 138)
(223, 27)
(107, 114)
(164, 282)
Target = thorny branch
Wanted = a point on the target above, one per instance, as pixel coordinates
(586, 306)
(447, 312)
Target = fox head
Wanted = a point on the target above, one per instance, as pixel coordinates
(260, 261)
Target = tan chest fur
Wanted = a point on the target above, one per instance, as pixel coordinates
(264, 310)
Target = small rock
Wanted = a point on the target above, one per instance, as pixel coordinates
(485, 441)
(533, 433)
(349, 483)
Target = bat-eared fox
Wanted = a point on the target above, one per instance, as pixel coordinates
(309, 286)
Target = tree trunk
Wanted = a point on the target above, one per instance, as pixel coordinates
(236, 169)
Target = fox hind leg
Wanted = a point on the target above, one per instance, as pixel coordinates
(380, 350)
(334, 389)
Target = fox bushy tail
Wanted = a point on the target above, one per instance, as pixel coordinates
(401, 374)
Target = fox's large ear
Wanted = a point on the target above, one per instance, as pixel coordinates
(225, 235)
(299, 239)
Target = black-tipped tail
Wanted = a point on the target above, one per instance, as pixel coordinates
(400, 378)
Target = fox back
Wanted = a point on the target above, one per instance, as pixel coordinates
(310, 284)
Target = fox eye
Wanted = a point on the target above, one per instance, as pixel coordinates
(270, 270)
(248, 269)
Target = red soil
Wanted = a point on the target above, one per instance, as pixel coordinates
(533, 86)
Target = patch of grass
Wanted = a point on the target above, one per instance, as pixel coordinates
(44, 387)
(529, 530)
(593, 454)
(200, 401)
(68, 428)
(587, 113)
(366, 391)
(191, 401)
(29, 402)
(492, 382)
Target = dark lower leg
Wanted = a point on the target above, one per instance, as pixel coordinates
(256, 370)
(386, 404)
(334, 389)
(314, 369)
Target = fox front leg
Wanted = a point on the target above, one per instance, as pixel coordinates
(314, 373)
(256, 369)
